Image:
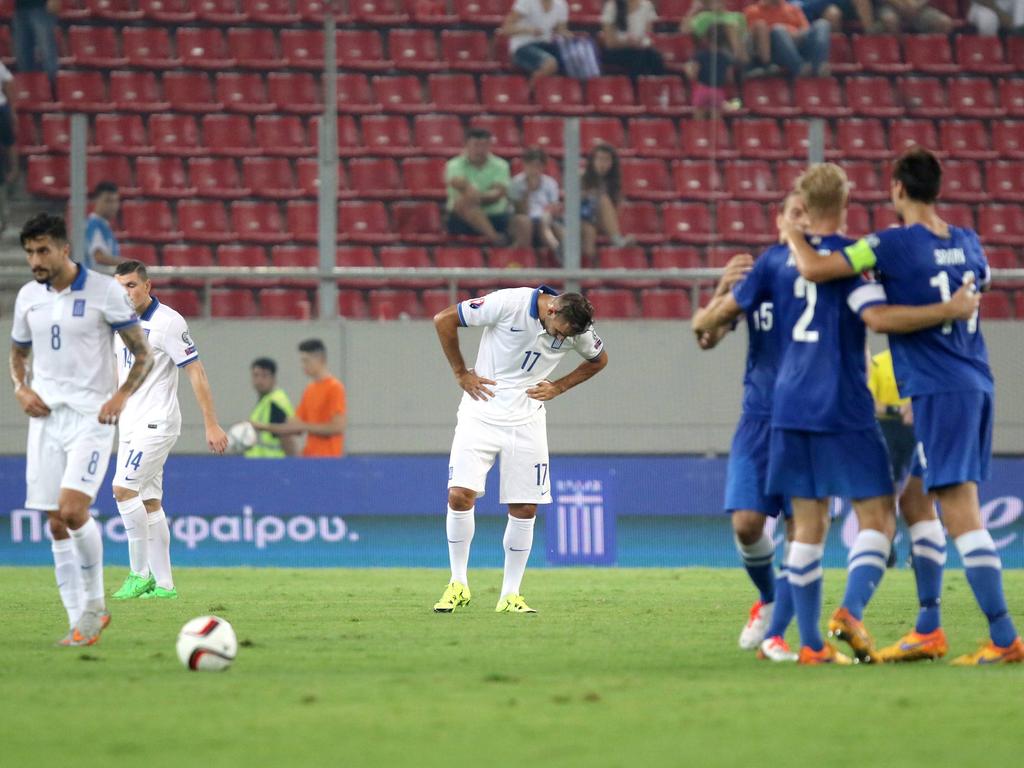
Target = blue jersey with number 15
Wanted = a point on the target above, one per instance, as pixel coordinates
(763, 345)
(918, 267)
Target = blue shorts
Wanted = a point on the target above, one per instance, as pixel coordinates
(533, 56)
(954, 437)
(815, 465)
(813, 9)
(748, 470)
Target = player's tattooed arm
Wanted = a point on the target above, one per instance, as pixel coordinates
(135, 340)
(549, 390)
(446, 323)
(30, 402)
(812, 265)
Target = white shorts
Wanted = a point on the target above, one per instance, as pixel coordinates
(66, 449)
(524, 459)
(140, 464)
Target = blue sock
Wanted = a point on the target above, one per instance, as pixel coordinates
(985, 575)
(866, 567)
(805, 577)
(758, 560)
(783, 612)
(928, 546)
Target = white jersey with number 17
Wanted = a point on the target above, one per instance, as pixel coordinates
(153, 409)
(516, 352)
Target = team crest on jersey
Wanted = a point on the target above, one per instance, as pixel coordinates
(187, 339)
(557, 343)
(79, 309)
(476, 303)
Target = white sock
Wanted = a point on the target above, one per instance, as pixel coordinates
(460, 527)
(518, 541)
(88, 546)
(133, 515)
(69, 580)
(160, 549)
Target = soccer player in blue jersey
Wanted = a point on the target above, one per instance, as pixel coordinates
(746, 502)
(945, 372)
(825, 440)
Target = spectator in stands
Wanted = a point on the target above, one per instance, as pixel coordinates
(626, 46)
(600, 196)
(895, 16)
(709, 71)
(477, 183)
(991, 17)
(273, 407)
(834, 11)
(705, 14)
(531, 27)
(781, 35)
(8, 148)
(35, 44)
(535, 199)
(322, 410)
(102, 249)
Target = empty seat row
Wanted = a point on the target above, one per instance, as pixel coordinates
(897, 54)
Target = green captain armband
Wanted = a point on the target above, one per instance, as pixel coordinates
(860, 255)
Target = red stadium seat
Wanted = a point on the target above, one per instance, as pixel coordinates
(415, 50)
(221, 12)
(436, 300)
(116, 10)
(169, 11)
(858, 220)
(379, 12)
(631, 257)
(504, 130)
(376, 178)
(424, 177)
(676, 257)
(872, 97)
(654, 137)
(186, 256)
(879, 53)
(191, 92)
(254, 48)
(673, 10)
(865, 184)
(664, 95)
(115, 168)
(602, 130)
(241, 257)
(1001, 224)
(204, 48)
(271, 11)
(967, 139)
(303, 48)
(863, 138)
(418, 222)
(163, 177)
(512, 258)
(1008, 138)
(904, 134)
(243, 92)
(821, 97)
(930, 54)
(561, 96)
(387, 304)
(706, 138)
(313, 10)
(615, 303)
(229, 135)
(454, 94)
(149, 47)
(29, 141)
(352, 304)
(961, 182)
(797, 138)
(1002, 258)
(1006, 180)
(996, 305)
(1015, 52)
(121, 134)
(646, 179)
(32, 92)
(544, 132)
(688, 223)
(486, 13)
(216, 177)
(958, 214)
(75, 10)
(613, 96)
(401, 94)
(432, 13)
(438, 134)
(301, 217)
(464, 258)
(365, 222)
(883, 217)
(295, 92)
(789, 172)
(290, 303)
(232, 302)
(771, 96)
(467, 51)
(270, 177)
(354, 94)
(1011, 96)
(307, 172)
(205, 221)
(1020, 304)
(586, 11)
(149, 221)
(182, 300)
(982, 54)
(296, 256)
(751, 180)
(82, 92)
(286, 136)
(744, 222)
(508, 94)
(175, 135)
(134, 91)
(95, 47)
(925, 97)
(640, 219)
(48, 176)
(676, 49)
(699, 180)
(388, 135)
(974, 97)
(361, 49)
(665, 304)
(407, 257)
(840, 55)
(760, 138)
(258, 222)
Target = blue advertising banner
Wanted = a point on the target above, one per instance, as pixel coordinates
(389, 511)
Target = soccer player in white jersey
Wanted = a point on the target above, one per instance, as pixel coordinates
(148, 429)
(65, 321)
(526, 333)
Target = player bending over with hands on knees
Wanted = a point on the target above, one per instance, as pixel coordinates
(64, 326)
(527, 331)
(825, 440)
(944, 370)
(148, 429)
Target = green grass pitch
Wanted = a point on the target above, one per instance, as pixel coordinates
(620, 668)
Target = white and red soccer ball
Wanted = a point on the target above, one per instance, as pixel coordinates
(207, 643)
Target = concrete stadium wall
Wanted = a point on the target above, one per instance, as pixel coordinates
(659, 394)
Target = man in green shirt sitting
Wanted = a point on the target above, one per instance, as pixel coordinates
(273, 407)
(477, 184)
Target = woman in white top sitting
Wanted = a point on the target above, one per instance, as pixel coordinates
(626, 38)
(531, 27)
